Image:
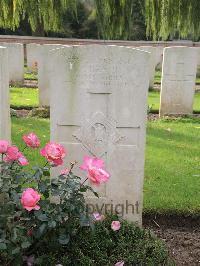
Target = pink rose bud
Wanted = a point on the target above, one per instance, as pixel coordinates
(115, 225)
(31, 140)
(98, 216)
(94, 168)
(119, 263)
(54, 153)
(29, 199)
(3, 146)
(64, 171)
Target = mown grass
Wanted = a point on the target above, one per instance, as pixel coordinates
(29, 75)
(28, 98)
(21, 126)
(172, 168)
(23, 97)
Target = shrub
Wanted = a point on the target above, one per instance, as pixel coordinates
(103, 246)
(29, 217)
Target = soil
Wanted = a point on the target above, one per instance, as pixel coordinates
(181, 235)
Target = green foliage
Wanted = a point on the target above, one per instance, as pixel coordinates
(103, 246)
(41, 14)
(114, 18)
(173, 18)
(62, 208)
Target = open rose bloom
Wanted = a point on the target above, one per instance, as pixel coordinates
(54, 153)
(29, 199)
(31, 140)
(95, 170)
(13, 154)
(115, 225)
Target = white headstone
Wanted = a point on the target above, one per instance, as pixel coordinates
(15, 62)
(5, 127)
(43, 73)
(178, 80)
(153, 62)
(99, 108)
(32, 55)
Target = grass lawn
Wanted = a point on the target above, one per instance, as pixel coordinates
(21, 126)
(28, 97)
(23, 97)
(29, 75)
(154, 101)
(172, 169)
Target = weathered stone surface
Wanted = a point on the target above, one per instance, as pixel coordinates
(99, 108)
(43, 73)
(33, 55)
(5, 127)
(178, 80)
(15, 62)
(153, 62)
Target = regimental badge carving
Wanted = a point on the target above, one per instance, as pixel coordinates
(98, 135)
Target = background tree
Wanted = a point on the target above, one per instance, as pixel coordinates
(121, 19)
(108, 19)
(166, 19)
(42, 15)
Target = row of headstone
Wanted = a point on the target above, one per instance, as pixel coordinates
(37, 60)
(15, 62)
(38, 54)
(98, 99)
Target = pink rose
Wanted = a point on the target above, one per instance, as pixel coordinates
(91, 161)
(3, 146)
(64, 171)
(119, 263)
(115, 225)
(31, 140)
(13, 154)
(29, 199)
(98, 216)
(97, 176)
(94, 168)
(54, 153)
